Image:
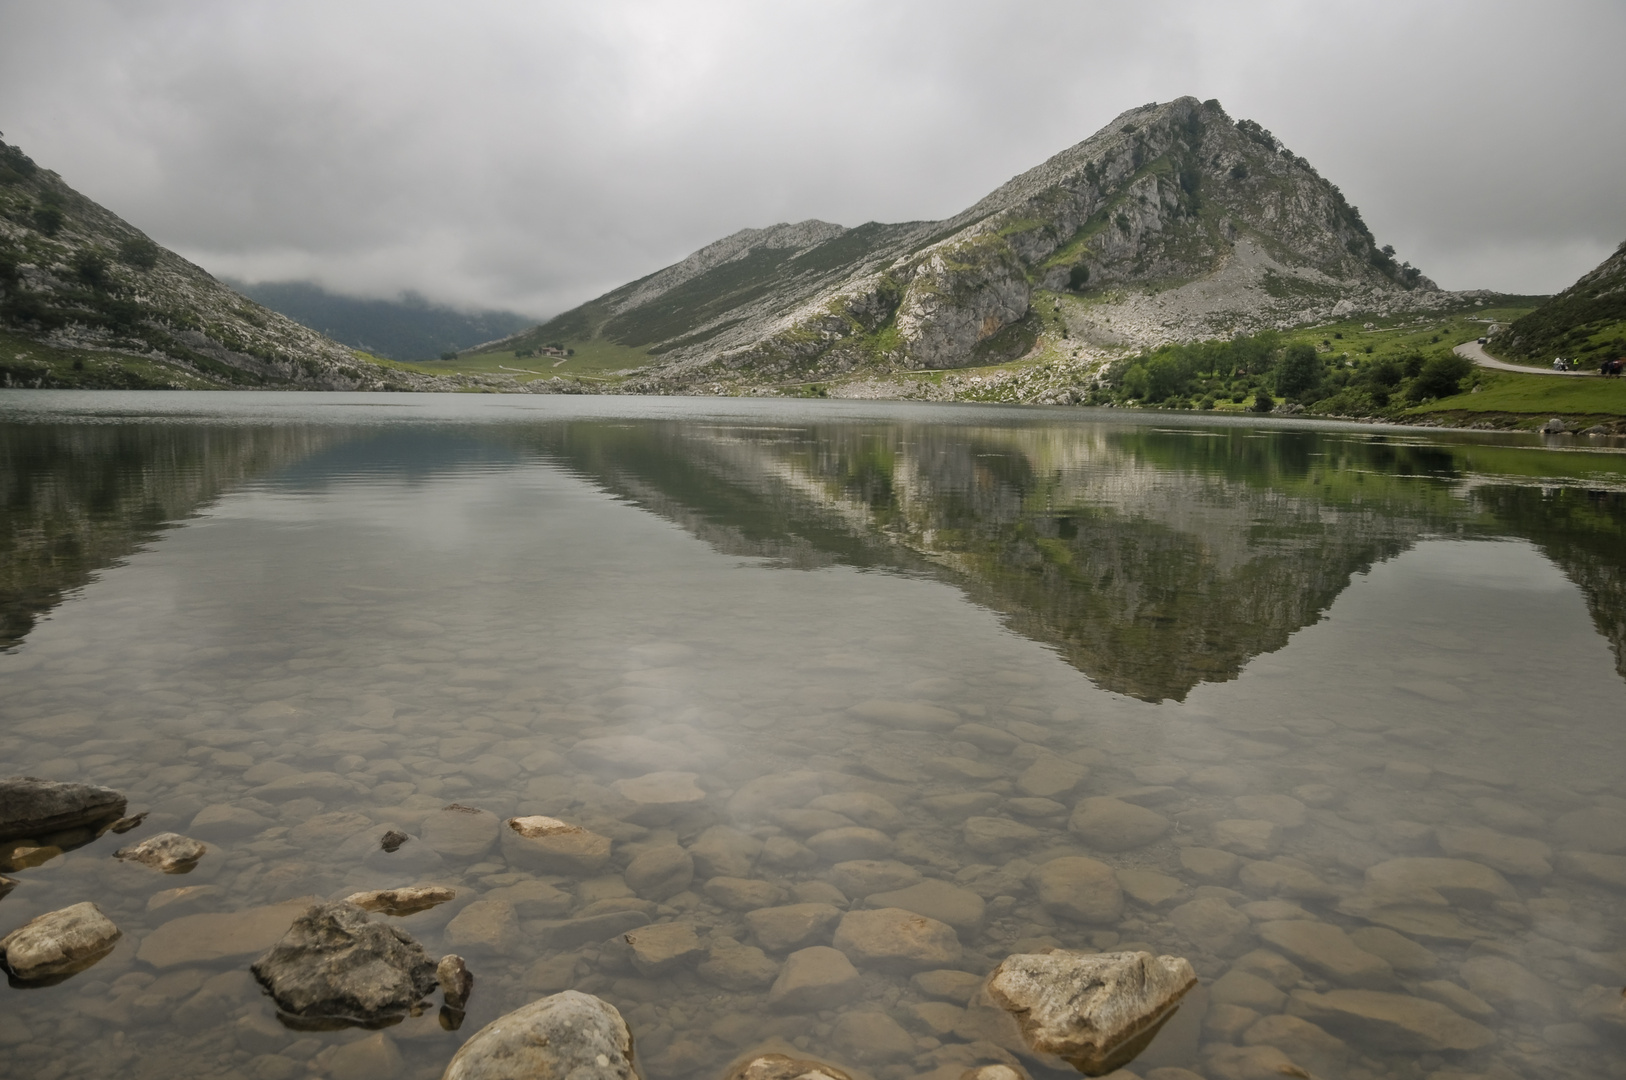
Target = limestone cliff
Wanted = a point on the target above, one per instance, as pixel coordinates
(1174, 195)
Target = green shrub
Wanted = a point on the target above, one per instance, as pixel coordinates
(139, 252)
(1440, 376)
(1299, 374)
(90, 267)
(47, 220)
(1263, 402)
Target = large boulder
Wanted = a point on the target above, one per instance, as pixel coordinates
(335, 963)
(570, 1034)
(1095, 1011)
(31, 807)
(58, 943)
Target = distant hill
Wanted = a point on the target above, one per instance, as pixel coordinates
(1586, 322)
(410, 328)
(87, 299)
(1174, 222)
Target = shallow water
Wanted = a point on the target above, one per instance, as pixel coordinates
(1302, 652)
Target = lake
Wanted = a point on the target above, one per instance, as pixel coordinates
(1337, 713)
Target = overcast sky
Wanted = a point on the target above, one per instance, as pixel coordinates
(531, 155)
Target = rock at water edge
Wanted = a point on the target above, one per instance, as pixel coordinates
(781, 1067)
(456, 980)
(58, 943)
(170, 852)
(401, 902)
(32, 807)
(335, 962)
(570, 1034)
(1095, 1011)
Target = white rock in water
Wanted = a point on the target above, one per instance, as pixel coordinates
(554, 846)
(781, 1067)
(1095, 1011)
(402, 902)
(58, 943)
(170, 852)
(570, 1034)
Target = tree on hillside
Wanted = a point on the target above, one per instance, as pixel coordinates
(1298, 376)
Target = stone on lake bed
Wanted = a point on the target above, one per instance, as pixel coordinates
(569, 1034)
(947, 984)
(660, 948)
(959, 805)
(1397, 1022)
(1437, 882)
(1600, 829)
(990, 835)
(335, 963)
(1083, 890)
(1210, 865)
(724, 851)
(59, 943)
(908, 715)
(851, 842)
(169, 852)
(737, 967)
(322, 786)
(1280, 879)
(1095, 1011)
(862, 807)
(1212, 924)
(1253, 837)
(488, 926)
(660, 872)
(1284, 810)
(743, 894)
(211, 936)
(401, 902)
(460, 832)
(1109, 824)
(859, 878)
(896, 939)
(815, 978)
(783, 1067)
(1326, 949)
(1609, 870)
(871, 1036)
(223, 821)
(659, 797)
(793, 926)
(1050, 777)
(32, 807)
(534, 899)
(550, 845)
(960, 908)
(1150, 887)
(628, 755)
(1516, 855)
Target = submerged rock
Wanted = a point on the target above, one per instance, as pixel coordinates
(33, 807)
(459, 832)
(58, 943)
(1097, 1012)
(554, 846)
(570, 1034)
(1110, 824)
(1390, 1021)
(664, 947)
(896, 938)
(170, 852)
(660, 797)
(781, 1067)
(408, 901)
(818, 977)
(335, 963)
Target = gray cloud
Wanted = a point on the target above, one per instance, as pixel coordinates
(531, 155)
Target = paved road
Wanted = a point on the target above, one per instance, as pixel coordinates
(1476, 352)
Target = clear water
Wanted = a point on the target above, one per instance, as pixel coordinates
(435, 600)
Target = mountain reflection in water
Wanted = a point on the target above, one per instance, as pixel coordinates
(1152, 559)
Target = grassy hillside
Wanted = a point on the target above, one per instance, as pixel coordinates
(1585, 323)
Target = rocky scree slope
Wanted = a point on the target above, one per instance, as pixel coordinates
(1172, 197)
(1586, 322)
(75, 275)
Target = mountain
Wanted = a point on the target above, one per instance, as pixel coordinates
(1173, 222)
(1586, 322)
(410, 328)
(93, 301)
